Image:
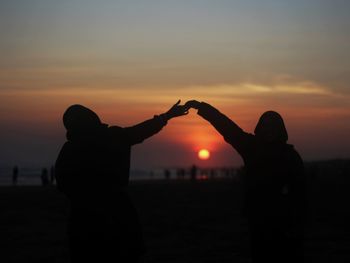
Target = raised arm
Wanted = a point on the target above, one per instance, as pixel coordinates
(139, 132)
(231, 132)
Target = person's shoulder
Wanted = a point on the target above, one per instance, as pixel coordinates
(67, 145)
(66, 152)
(293, 153)
(291, 148)
(116, 132)
(115, 128)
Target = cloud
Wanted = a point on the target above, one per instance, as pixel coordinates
(305, 87)
(166, 94)
(280, 86)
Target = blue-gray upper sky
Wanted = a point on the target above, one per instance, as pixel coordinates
(233, 40)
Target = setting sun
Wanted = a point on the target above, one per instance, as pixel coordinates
(204, 154)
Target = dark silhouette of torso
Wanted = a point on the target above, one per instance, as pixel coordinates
(273, 174)
(274, 187)
(92, 169)
(98, 161)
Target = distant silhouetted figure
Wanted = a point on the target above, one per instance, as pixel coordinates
(212, 173)
(52, 175)
(274, 184)
(92, 169)
(180, 173)
(44, 177)
(15, 172)
(193, 173)
(167, 174)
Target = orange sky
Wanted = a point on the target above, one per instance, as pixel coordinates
(315, 118)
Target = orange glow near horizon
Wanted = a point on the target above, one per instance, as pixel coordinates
(40, 112)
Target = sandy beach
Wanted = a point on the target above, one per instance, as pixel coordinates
(182, 222)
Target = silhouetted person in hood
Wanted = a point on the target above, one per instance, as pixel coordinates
(92, 169)
(274, 184)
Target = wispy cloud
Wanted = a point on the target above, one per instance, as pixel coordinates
(169, 93)
(249, 88)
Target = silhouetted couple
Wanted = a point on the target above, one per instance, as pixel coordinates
(92, 169)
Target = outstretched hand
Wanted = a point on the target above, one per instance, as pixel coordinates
(192, 104)
(177, 110)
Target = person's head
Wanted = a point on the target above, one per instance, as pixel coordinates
(271, 128)
(79, 118)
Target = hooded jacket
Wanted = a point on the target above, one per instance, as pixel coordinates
(274, 180)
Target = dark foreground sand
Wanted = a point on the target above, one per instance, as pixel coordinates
(182, 222)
